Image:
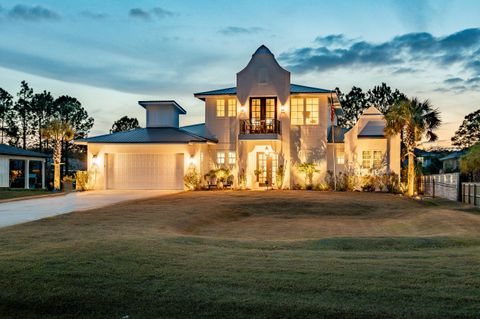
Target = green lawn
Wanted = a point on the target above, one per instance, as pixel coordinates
(16, 193)
(146, 260)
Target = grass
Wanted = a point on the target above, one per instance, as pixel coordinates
(17, 193)
(245, 255)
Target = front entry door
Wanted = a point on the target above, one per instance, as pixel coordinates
(264, 165)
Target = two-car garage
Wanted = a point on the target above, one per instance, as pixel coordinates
(144, 171)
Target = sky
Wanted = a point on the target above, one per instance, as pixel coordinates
(111, 54)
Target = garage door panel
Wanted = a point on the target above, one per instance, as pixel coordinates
(145, 171)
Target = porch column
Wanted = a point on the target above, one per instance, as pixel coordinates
(26, 174)
(43, 174)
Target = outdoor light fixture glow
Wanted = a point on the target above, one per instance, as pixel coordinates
(243, 109)
(283, 108)
(267, 150)
(95, 160)
(192, 160)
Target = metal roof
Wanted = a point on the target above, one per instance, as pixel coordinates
(199, 129)
(453, 155)
(15, 151)
(339, 134)
(372, 129)
(294, 89)
(161, 135)
(163, 102)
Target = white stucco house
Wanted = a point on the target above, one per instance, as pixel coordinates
(262, 123)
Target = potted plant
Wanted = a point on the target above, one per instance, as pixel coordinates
(67, 183)
(257, 173)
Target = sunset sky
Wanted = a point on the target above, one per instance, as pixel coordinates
(110, 54)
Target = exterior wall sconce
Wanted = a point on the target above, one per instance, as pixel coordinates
(283, 108)
(192, 160)
(95, 160)
(243, 109)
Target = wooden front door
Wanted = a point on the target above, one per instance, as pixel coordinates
(264, 165)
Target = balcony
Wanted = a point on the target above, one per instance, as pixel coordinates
(259, 129)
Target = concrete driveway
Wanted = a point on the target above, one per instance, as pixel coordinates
(21, 211)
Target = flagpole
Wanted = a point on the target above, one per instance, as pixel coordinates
(333, 140)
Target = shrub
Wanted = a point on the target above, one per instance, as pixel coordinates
(391, 182)
(341, 183)
(308, 169)
(321, 187)
(369, 184)
(67, 179)
(280, 176)
(296, 186)
(81, 178)
(192, 179)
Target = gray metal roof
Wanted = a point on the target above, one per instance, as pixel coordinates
(294, 89)
(161, 135)
(15, 151)
(372, 129)
(453, 155)
(263, 50)
(163, 102)
(199, 129)
(339, 134)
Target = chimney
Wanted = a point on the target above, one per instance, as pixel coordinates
(162, 113)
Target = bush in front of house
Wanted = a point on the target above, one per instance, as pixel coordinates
(81, 181)
(192, 179)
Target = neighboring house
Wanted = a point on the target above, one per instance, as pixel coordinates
(429, 160)
(451, 162)
(264, 125)
(20, 168)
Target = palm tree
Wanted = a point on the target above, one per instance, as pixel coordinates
(414, 120)
(58, 131)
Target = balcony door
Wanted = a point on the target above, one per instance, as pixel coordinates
(263, 109)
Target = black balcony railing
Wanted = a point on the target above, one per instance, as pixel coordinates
(260, 127)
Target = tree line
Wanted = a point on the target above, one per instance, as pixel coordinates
(25, 115)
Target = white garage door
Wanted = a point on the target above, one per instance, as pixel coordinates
(144, 171)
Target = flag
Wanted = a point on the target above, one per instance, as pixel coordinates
(332, 110)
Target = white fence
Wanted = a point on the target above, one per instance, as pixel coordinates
(442, 185)
(471, 193)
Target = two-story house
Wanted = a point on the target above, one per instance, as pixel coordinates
(263, 125)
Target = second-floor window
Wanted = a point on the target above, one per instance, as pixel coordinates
(220, 108)
(232, 107)
(304, 111)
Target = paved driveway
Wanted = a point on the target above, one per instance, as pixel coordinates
(21, 211)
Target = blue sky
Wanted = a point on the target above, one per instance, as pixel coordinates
(110, 54)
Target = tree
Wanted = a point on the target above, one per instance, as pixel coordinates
(69, 110)
(468, 133)
(470, 163)
(23, 110)
(42, 109)
(383, 97)
(58, 131)
(308, 169)
(6, 103)
(124, 124)
(356, 101)
(353, 103)
(414, 120)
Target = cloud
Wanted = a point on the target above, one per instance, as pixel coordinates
(405, 70)
(232, 30)
(93, 15)
(453, 80)
(459, 49)
(158, 12)
(413, 13)
(139, 14)
(30, 13)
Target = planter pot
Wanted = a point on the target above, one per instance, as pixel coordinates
(67, 186)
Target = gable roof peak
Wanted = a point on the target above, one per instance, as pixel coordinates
(372, 110)
(263, 50)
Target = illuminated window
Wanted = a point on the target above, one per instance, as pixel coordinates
(270, 110)
(341, 158)
(367, 159)
(220, 108)
(220, 158)
(311, 112)
(232, 107)
(256, 110)
(296, 111)
(231, 157)
(377, 159)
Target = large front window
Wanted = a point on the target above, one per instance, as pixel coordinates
(304, 111)
(367, 159)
